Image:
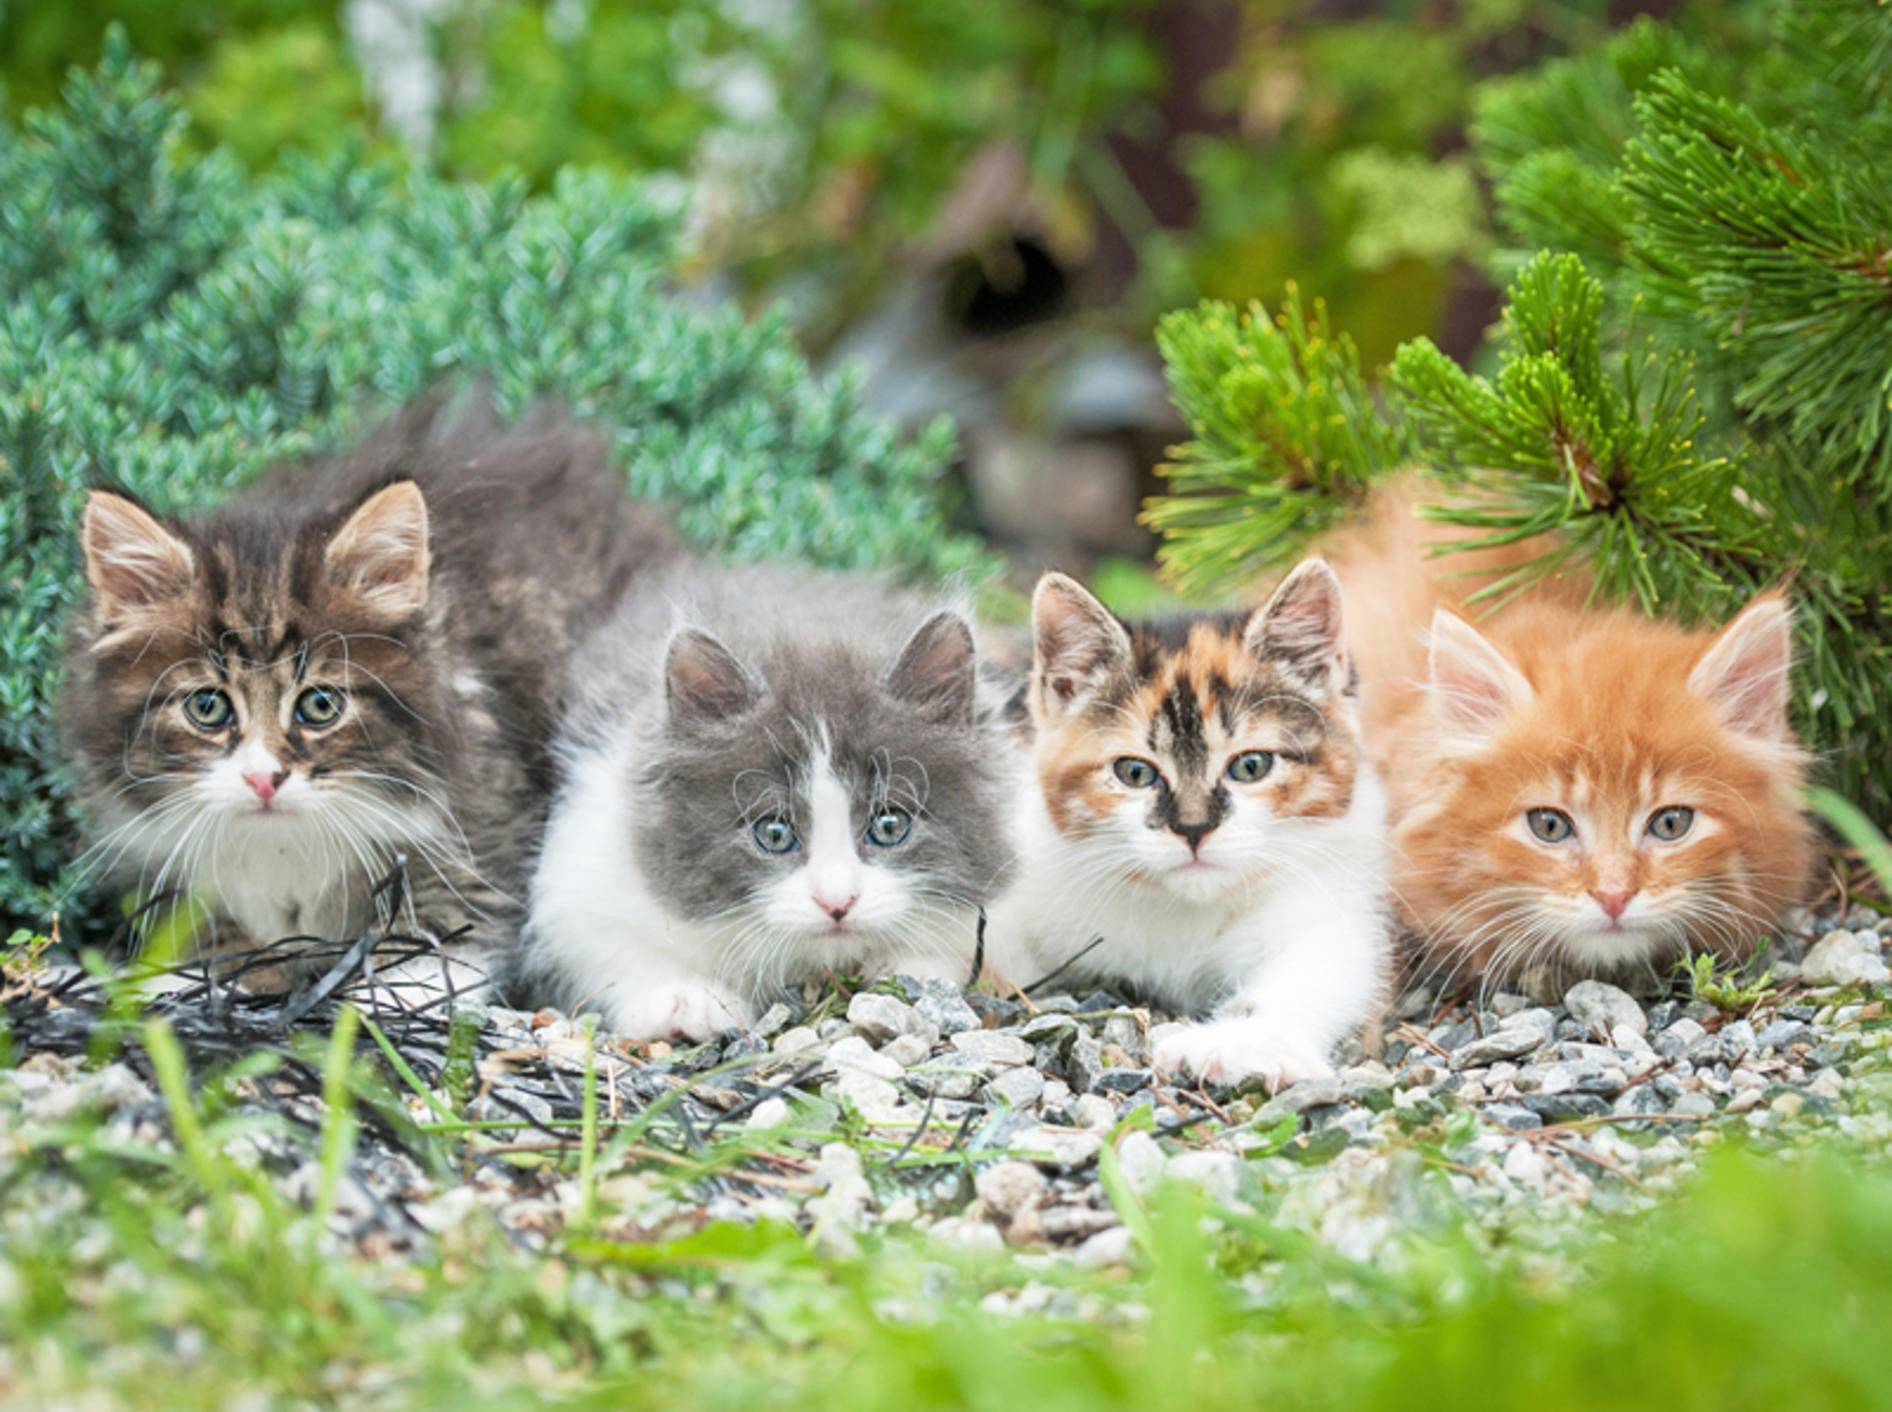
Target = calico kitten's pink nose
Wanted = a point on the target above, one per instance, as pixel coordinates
(1613, 900)
(837, 910)
(265, 782)
(1193, 834)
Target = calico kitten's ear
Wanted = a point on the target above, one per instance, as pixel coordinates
(1745, 674)
(131, 560)
(937, 670)
(381, 553)
(1300, 627)
(704, 681)
(1473, 685)
(1078, 644)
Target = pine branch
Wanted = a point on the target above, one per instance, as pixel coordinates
(1284, 437)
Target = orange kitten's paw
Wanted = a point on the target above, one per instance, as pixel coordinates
(1227, 1052)
(681, 1011)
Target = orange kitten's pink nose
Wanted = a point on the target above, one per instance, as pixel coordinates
(1613, 900)
(837, 910)
(265, 782)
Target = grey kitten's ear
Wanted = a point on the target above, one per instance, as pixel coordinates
(381, 552)
(1745, 674)
(937, 669)
(1473, 685)
(1078, 645)
(131, 560)
(704, 681)
(1301, 627)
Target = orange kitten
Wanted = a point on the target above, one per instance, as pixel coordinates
(1572, 792)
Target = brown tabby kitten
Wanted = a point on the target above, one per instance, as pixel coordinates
(347, 673)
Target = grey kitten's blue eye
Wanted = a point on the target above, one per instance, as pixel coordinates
(209, 710)
(889, 826)
(1671, 823)
(1550, 825)
(320, 706)
(1138, 774)
(1250, 766)
(775, 836)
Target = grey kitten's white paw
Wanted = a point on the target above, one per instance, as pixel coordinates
(680, 1011)
(1232, 1051)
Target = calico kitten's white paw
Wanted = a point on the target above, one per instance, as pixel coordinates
(680, 1011)
(1231, 1051)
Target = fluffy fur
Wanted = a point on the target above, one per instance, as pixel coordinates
(1248, 891)
(1605, 719)
(768, 774)
(351, 666)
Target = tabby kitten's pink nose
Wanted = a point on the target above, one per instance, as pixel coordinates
(1613, 900)
(265, 782)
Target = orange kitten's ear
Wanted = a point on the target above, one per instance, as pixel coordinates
(1301, 627)
(1473, 685)
(1745, 674)
(704, 681)
(131, 560)
(381, 551)
(1078, 644)
(937, 671)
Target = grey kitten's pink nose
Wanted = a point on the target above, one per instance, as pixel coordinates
(265, 783)
(837, 910)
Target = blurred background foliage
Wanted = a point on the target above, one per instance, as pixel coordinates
(1106, 157)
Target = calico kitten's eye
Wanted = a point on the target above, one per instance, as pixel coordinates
(1671, 823)
(775, 836)
(1250, 766)
(889, 826)
(1138, 774)
(209, 710)
(1550, 825)
(319, 706)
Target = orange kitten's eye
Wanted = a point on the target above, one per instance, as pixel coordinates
(1250, 766)
(1550, 825)
(1138, 774)
(1671, 823)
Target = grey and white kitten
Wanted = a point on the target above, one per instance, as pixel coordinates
(767, 774)
(347, 674)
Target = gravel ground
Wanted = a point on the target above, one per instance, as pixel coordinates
(990, 1122)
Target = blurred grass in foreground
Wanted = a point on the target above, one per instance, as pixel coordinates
(135, 1276)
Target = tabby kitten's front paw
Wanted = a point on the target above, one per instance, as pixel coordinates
(1228, 1052)
(679, 1011)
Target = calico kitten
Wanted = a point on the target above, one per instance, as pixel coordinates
(767, 774)
(1573, 792)
(353, 664)
(1199, 801)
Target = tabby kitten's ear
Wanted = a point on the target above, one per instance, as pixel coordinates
(131, 560)
(1078, 644)
(704, 681)
(1300, 627)
(381, 553)
(1745, 674)
(937, 671)
(1473, 685)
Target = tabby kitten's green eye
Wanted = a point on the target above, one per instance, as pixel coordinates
(1250, 766)
(319, 706)
(1550, 825)
(209, 710)
(775, 836)
(1138, 774)
(889, 827)
(1671, 823)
